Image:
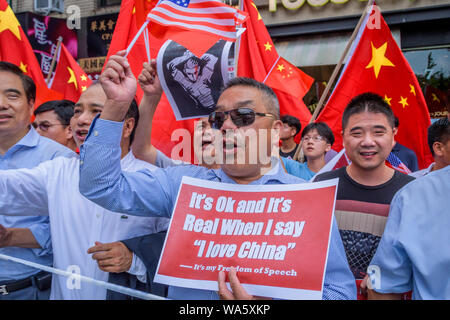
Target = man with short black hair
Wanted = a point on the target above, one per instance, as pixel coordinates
(367, 185)
(244, 105)
(291, 127)
(22, 147)
(52, 120)
(439, 143)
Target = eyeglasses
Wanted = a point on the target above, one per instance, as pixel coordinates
(44, 126)
(241, 117)
(314, 138)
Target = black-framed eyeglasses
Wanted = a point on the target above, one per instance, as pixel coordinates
(44, 126)
(241, 117)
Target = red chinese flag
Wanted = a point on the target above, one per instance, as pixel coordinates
(257, 56)
(15, 48)
(288, 78)
(377, 65)
(69, 78)
(127, 26)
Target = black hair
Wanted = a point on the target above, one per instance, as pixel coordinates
(292, 121)
(438, 132)
(322, 128)
(28, 83)
(272, 106)
(62, 108)
(369, 102)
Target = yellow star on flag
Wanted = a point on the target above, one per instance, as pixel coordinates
(413, 90)
(388, 100)
(23, 67)
(83, 88)
(268, 46)
(403, 101)
(378, 59)
(280, 67)
(8, 21)
(259, 16)
(83, 77)
(435, 98)
(72, 78)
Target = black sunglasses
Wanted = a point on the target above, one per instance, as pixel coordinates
(241, 117)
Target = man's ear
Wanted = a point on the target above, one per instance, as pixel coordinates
(31, 105)
(437, 148)
(69, 132)
(128, 127)
(327, 148)
(395, 131)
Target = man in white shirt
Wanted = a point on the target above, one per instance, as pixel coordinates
(77, 223)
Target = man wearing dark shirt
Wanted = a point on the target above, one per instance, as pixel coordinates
(291, 127)
(406, 155)
(367, 185)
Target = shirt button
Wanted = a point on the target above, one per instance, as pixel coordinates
(81, 161)
(98, 215)
(95, 133)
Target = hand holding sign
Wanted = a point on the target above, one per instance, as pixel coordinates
(277, 244)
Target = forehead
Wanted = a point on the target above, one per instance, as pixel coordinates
(367, 119)
(312, 132)
(47, 116)
(241, 96)
(94, 95)
(9, 80)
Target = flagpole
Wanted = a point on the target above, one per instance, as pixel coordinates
(299, 153)
(130, 46)
(52, 66)
(340, 63)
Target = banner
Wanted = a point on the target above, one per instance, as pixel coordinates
(43, 33)
(276, 236)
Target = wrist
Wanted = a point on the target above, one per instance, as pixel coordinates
(115, 110)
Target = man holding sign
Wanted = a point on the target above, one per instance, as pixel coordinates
(244, 105)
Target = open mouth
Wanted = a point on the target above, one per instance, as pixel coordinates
(81, 134)
(368, 155)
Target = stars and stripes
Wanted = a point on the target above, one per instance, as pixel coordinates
(209, 16)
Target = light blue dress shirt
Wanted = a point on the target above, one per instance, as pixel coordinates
(298, 169)
(414, 253)
(154, 193)
(29, 152)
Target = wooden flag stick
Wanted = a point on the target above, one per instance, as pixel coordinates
(55, 55)
(299, 153)
(341, 62)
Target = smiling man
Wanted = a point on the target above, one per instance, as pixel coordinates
(244, 104)
(22, 147)
(367, 185)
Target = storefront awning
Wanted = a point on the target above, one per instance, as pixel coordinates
(317, 50)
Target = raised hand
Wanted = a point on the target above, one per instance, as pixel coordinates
(149, 81)
(119, 85)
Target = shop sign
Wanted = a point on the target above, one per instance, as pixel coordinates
(296, 4)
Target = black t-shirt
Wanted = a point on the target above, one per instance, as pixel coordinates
(289, 155)
(361, 212)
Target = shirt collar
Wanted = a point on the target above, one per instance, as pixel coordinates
(31, 139)
(275, 175)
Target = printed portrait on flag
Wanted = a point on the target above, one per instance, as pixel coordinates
(192, 84)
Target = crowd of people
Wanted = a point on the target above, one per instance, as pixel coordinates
(106, 210)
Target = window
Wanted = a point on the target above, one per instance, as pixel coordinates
(107, 3)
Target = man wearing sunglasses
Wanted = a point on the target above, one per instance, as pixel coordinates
(146, 193)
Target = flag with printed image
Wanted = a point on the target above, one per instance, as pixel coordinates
(378, 65)
(195, 24)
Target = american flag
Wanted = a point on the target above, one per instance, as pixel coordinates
(211, 16)
(395, 163)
